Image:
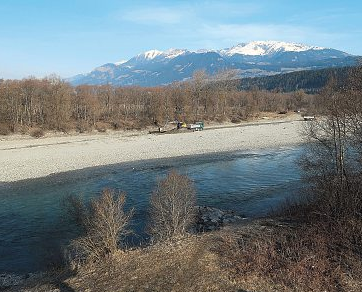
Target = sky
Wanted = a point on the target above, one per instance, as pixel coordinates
(68, 37)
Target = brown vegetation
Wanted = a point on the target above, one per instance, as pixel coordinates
(36, 133)
(51, 104)
(320, 246)
(264, 255)
(321, 249)
(172, 207)
(288, 256)
(188, 264)
(104, 223)
(4, 129)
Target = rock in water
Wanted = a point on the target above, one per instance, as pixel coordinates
(209, 218)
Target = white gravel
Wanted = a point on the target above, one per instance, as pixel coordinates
(23, 157)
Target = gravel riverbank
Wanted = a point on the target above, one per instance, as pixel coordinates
(23, 157)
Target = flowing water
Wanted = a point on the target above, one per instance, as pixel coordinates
(32, 228)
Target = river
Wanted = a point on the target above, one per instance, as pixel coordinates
(32, 228)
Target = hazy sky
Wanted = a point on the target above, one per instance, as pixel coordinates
(67, 37)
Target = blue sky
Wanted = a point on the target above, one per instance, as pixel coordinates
(67, 37)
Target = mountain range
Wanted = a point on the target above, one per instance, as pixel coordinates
(259, 58)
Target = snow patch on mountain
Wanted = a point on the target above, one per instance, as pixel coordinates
(150, 55)
(173, 53)
(262, 48)
(120, 62)
(169, 54)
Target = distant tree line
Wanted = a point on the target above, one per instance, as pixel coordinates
(52, 104)
(311, 81)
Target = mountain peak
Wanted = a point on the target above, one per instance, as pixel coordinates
(169, 54)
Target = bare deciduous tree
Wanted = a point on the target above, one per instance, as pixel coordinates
(51, 104)
(335, 133)
(331, 160)
(172, 208)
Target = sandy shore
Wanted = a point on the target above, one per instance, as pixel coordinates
(23, 157)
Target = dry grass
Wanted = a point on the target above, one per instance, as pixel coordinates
(285, 257)
(264, 255)
(188, 264)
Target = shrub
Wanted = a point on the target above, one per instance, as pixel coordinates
(83, 126)
(4, 130)
(172, 208)
(236, 120)
(286, 256)
(37, 133)
(101, 127)
(103, 222)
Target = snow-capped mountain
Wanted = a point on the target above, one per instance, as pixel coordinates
(262, 48)
(259, 58)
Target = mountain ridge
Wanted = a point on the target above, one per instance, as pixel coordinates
(258, 58)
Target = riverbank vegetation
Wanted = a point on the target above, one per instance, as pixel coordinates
(317, 246)
(103, 224)
(34, 106)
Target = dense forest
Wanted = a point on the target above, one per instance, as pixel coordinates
(52, 104)
(311, 81)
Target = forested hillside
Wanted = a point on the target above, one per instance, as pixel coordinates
(311, 81)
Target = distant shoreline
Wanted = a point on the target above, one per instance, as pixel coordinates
(22, 157)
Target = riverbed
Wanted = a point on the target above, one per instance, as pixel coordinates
(23, 157)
